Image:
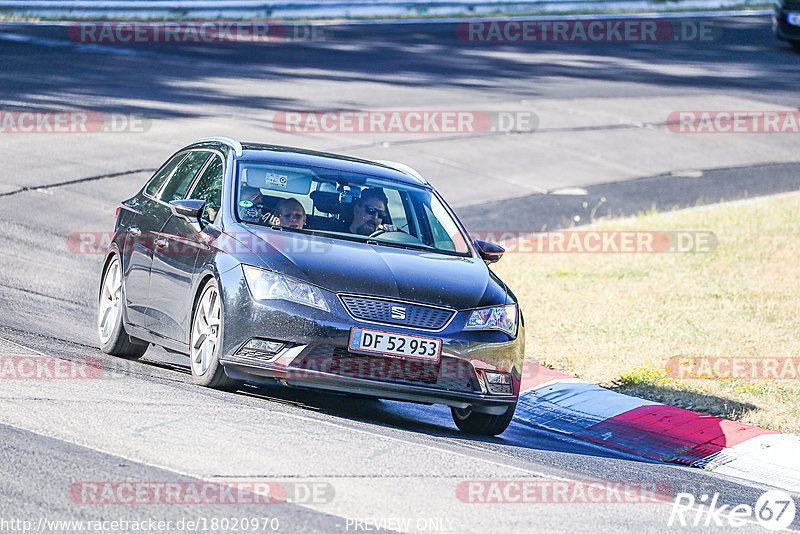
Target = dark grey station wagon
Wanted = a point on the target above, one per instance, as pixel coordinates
(274, 264)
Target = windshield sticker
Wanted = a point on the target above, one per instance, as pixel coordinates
(276, 179)
(245, 204)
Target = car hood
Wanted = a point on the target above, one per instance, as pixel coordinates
(343, 266)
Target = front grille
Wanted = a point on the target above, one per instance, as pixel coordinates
(450, 373)
(397, 312)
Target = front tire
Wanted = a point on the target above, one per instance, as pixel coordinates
(114, 339)
(483, 424)
(205, 341)
(795, 44)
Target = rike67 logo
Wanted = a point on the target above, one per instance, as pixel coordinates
(774, 510)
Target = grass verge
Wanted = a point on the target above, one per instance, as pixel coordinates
(618, 319)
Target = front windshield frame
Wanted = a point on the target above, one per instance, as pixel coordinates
(362, 180)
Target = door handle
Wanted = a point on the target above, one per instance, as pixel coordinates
(162, 243)
(135, 232)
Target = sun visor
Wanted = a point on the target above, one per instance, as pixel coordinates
(284, 178)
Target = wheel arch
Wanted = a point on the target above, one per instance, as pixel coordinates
(202, 279)
(112, 253)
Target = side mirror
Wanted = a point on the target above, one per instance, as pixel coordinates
(189, 209)
(490, 252)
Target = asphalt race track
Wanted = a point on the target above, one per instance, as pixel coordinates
(601, 130)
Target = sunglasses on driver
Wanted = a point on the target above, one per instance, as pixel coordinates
(375, 211)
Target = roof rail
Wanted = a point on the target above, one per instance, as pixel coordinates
(405, 169)
(230, 141)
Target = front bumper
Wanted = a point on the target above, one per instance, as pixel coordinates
(316, 354)
(480, 402)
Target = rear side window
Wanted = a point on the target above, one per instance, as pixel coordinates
(160, 177)
(209, 188)
(182, 177)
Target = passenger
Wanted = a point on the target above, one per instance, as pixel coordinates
(290, 213)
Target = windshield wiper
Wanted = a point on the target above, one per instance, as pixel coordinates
(406, 246)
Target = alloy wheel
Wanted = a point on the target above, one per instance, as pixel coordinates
(110, 302)
(205, 331)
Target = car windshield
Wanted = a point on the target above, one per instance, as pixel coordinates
(345, 205)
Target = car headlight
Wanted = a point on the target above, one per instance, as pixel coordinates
(266, 285)
(495, 318)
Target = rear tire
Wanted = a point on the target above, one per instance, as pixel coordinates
(205, 341)
(482, 424)
(114, 339)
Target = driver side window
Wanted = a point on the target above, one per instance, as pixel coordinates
(209, 188)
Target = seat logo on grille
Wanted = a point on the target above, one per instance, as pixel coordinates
(398, 312)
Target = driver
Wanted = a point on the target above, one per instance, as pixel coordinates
(369, 211)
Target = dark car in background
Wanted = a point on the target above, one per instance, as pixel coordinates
(273, 264)
(786, 22)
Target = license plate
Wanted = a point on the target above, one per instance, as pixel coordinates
(376, 342)
(793, 19)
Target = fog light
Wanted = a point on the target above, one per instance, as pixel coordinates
(498, 382)
(260, 348)
(262, 345)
